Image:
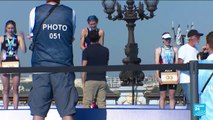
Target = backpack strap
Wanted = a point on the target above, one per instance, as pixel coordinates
(206, 83)
(38, 32)
(49, 13)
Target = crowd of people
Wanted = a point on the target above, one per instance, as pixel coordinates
(53, 25)
(168, 54)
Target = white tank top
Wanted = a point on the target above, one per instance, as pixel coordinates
(167, 55)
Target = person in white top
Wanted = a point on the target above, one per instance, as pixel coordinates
(187, 53)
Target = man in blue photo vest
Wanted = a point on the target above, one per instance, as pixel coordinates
(205, 81)
(52, 29)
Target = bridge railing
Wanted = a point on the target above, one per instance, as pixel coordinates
(192, 67)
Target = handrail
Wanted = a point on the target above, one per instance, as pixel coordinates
(95, 68)
(192, 67)
(103, 68)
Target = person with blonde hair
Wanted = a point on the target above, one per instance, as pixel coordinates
(10, 43)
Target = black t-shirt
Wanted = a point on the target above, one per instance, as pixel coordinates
(87, 41)
(96, 55)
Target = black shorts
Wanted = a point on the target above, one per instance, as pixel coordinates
(12, 58)
(57, 86)
(164, 87)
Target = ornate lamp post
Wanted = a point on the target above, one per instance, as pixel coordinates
(130, 13)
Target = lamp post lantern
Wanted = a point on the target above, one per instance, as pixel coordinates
(130, 13)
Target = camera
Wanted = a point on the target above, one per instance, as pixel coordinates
(202, 55)
(31, 47)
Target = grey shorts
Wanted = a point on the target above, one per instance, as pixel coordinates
(57, 86)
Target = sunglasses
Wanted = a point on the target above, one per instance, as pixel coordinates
(167, 39)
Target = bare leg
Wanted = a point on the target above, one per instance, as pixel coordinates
(68, 118)
(172, 99)
(38, 118)
(162, 99)
(6, 89)
(16, 82)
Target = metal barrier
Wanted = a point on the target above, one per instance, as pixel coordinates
(192, 67)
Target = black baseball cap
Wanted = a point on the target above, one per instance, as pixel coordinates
(194, 32)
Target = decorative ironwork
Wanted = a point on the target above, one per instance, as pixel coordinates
(130, 13)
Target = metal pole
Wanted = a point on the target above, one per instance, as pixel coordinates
(193, 70)
(133, 92)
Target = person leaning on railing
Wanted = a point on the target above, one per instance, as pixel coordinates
(10, 43)
(205, 81)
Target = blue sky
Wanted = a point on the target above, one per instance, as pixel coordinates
(147, 32)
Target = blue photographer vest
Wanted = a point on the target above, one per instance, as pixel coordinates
(53, 44)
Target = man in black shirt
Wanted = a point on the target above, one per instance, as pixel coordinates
(94, 84)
